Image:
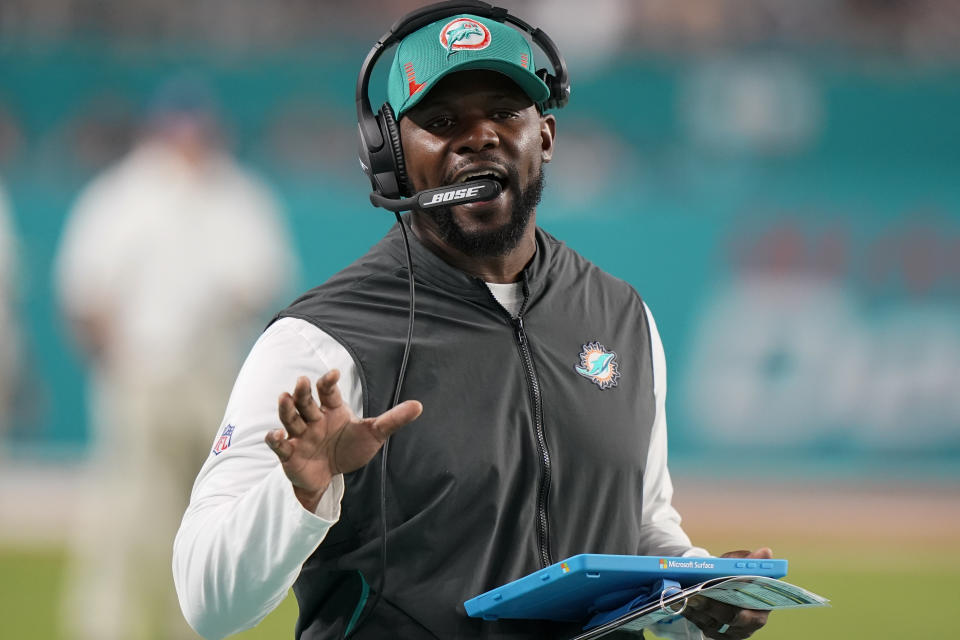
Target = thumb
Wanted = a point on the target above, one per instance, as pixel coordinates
(404, 413)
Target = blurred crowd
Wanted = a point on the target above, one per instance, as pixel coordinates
(920, 27)
(9, 330)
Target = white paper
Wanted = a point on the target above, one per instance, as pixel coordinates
(745, 592)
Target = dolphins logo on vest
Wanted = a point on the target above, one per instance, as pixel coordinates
(464, 34)
(599, 365)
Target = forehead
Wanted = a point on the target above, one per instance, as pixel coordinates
(473, 87)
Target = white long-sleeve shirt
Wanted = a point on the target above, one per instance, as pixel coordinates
(245, 536)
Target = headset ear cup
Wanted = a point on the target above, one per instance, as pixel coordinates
(558, 93)
(392, 129)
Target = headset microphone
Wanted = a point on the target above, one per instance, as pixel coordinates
(473, 191)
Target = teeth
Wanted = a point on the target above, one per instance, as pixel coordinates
(481, 173)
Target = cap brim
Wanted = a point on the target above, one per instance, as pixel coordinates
(533, 86)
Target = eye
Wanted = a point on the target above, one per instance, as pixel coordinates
(438, 123)
(505, 114)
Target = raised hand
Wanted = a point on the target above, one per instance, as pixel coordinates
(719, 620)
(320, 441)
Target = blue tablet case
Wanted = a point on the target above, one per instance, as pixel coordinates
(582, 585)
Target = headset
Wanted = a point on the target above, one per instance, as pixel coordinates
(381, 157)
(381, 153)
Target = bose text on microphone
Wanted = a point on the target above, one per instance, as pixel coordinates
(473, 191)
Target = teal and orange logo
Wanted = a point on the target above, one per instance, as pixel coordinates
(663, 563)
(599, 365)
(464, 34)
(565, 567)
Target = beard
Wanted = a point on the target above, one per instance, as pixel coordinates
(496, 242)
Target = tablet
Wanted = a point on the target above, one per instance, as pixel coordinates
(582, 585)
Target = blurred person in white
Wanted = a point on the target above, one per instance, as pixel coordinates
(9, 334)
(168, 263)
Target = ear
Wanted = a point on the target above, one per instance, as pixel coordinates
(548, 132)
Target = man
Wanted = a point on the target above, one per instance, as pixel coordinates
(537, 382)
(168, 262)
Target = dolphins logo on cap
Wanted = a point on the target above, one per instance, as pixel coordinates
(464, 34)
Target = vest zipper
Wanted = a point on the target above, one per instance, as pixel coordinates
(543, 528)
(543, 531)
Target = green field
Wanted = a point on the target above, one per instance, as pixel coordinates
(876, 593)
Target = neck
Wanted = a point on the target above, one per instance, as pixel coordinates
(497, 269)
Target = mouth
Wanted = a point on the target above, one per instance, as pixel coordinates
(484, 173)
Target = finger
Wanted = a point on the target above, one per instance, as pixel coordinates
(742, 624)
(748, 620)
(276, 439)
(699, 612)
(712, 615)
(303, 398)
(404, 413)
(328, 391)
(713, 608)
(290, 416)
(762, 552)
(705, 623)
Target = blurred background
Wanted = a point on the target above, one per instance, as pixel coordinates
(779, 180)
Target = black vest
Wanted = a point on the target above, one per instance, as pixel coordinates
(518, 460)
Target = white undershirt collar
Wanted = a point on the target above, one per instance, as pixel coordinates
(509, 295)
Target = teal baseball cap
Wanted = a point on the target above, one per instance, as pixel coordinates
(455, 44)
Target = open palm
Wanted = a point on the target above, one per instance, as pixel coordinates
(321, 440)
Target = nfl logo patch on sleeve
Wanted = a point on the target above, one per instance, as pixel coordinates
(223, 441)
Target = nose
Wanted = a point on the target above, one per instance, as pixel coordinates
(477, 135)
